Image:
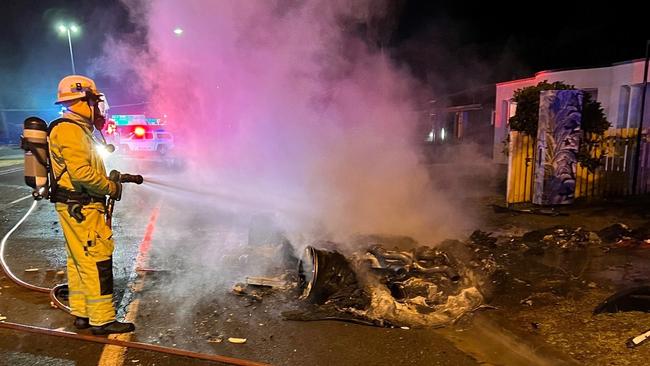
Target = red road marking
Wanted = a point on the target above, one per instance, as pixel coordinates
(145, 245)
(114, 355)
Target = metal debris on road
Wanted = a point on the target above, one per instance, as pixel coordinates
(251, 295)
(482, 238)
(560, 237)
(629, 299)
(638, 340)
(31, 270)
(622, 236)
(614, 232)
(527, 302)
(532, 211)
(266, 282)
(217, 339)
(238, 289)
(237, 340)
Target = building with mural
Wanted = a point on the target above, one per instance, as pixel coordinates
(617, 87)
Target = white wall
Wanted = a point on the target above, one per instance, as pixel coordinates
(608, 81)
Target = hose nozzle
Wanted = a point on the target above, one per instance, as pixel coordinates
(116, 176)
(131, 178)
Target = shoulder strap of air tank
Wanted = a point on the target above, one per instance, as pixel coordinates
(65, 168)
(60, 120)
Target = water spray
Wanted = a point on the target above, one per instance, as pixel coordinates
(257, 201)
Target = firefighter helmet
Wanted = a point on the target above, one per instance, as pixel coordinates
(74, 87)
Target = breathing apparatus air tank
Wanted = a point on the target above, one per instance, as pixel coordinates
(34, 142)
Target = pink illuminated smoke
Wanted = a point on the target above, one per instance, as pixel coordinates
(280, 104)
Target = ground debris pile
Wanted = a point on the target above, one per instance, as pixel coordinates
(561, 237)
(623, 236)
(483, 239)
(415, 288)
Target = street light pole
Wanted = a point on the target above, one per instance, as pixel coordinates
(68, 30)
(640, 130)
(71, 54)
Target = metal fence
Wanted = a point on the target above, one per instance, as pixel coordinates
(613, 178)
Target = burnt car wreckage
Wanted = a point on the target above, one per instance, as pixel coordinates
(420, 286)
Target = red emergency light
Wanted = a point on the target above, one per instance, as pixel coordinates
(139, 131)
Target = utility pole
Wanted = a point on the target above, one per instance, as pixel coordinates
(635, 177)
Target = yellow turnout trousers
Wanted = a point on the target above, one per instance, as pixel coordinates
(89, 246)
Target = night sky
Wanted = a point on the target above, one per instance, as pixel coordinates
(451, 45)
(34, 56)
(499, 41)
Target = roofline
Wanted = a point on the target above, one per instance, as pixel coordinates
(466, 107)
(487, 86)
(532, 78)
(539, 73)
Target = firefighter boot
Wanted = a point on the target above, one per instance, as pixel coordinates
(81, 323)
(112, 328)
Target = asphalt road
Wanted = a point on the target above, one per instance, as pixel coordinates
(178, 255)
(189, 304)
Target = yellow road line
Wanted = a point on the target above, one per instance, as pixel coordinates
(114, 355)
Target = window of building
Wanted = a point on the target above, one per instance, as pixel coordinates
(461, 120)
(634, 111)
(512, 108)
(623, 106)
(505, 110)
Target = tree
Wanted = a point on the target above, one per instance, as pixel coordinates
(594, 122)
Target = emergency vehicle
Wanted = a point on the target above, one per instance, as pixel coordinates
(136, 134)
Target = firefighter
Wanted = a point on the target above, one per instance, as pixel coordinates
(80, 189)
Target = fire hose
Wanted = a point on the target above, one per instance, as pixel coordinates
(52, 291)
(130, 344)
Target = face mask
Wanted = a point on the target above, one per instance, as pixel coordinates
(99, 107)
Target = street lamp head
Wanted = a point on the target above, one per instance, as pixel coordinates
(67, 30)
(72, 28)
(178, 31)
